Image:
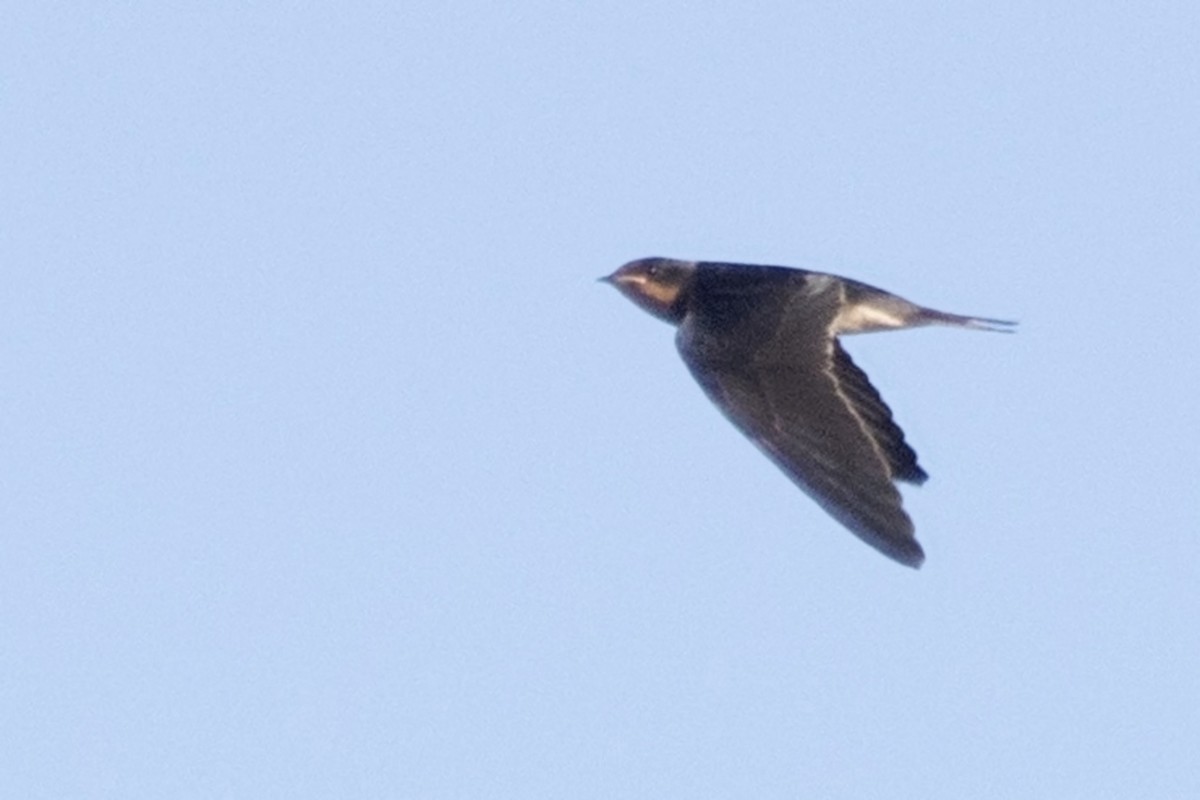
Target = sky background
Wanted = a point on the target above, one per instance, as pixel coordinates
(328, 470)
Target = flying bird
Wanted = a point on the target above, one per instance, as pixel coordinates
(762, 342)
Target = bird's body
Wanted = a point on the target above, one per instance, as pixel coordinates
(762, 342)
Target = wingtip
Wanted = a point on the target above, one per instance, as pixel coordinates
(913, 558)
(908, 553)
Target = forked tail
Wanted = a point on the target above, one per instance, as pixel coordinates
(932, 317)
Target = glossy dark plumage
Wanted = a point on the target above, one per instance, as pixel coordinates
(762, 342)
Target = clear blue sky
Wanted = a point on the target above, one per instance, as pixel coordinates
(329, 471)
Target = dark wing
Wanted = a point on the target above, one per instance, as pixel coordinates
(870, 408)
(778, 374)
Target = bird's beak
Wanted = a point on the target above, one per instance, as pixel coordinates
(623, 280)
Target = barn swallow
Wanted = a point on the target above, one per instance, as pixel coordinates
(763, 344)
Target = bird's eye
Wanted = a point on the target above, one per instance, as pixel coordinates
(652, 270)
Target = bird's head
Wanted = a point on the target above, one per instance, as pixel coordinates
(658, 285)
